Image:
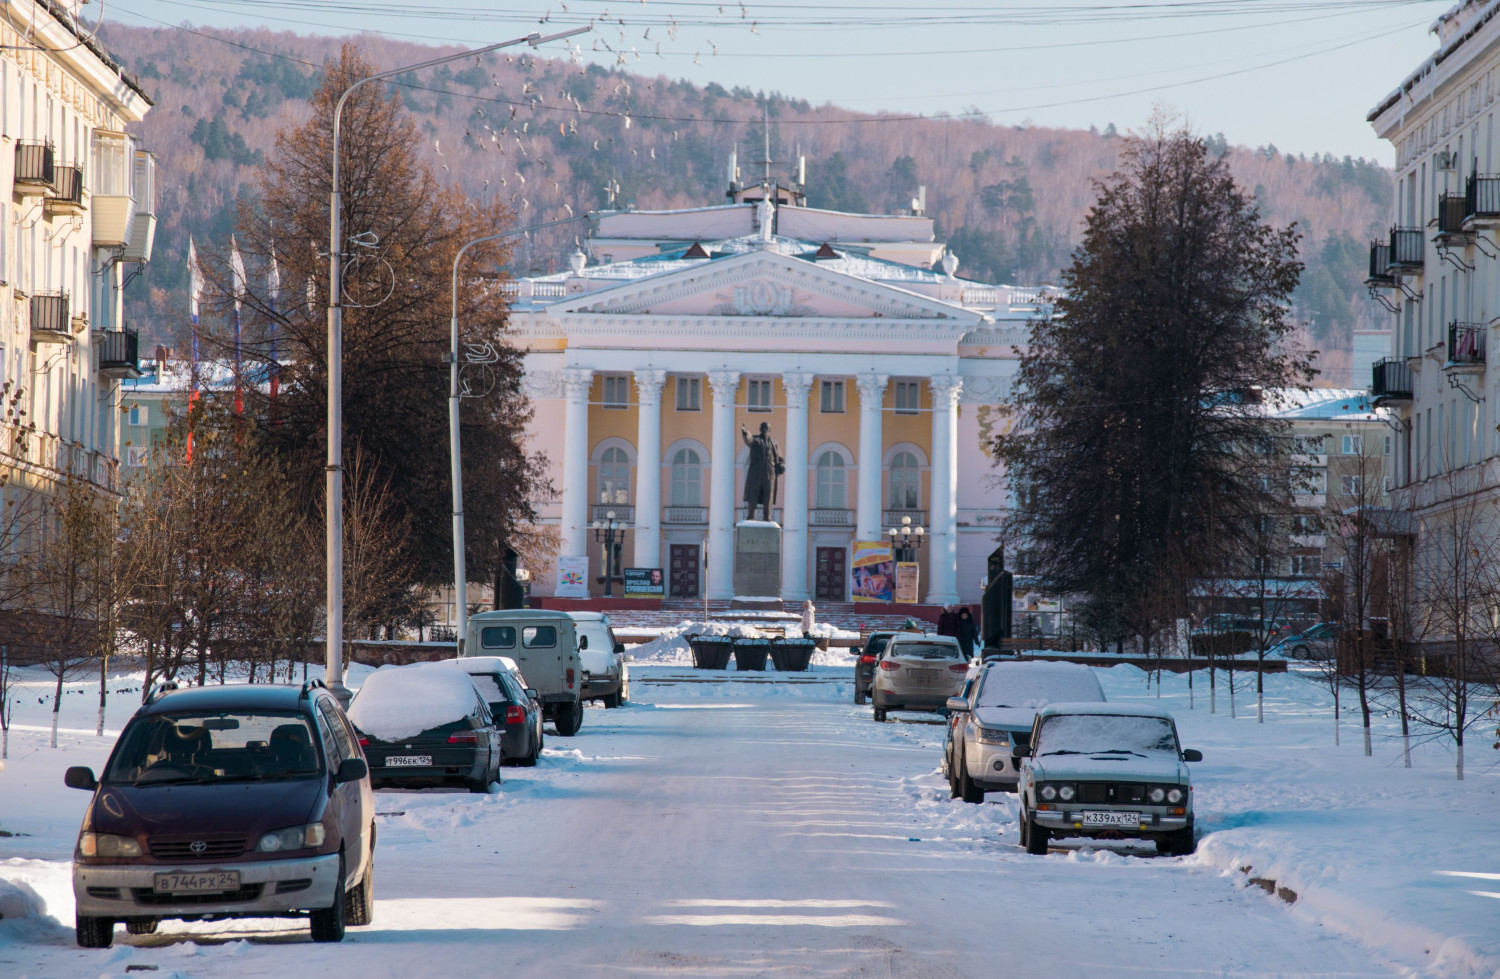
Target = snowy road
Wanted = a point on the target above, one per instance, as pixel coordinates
(743, 835)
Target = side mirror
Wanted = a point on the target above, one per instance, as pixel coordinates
(620, 648)
(79, 777)
(958, 705)
(1019, 751)
(530, 694)
(351, 770)
(1192, 754)
(583, 642)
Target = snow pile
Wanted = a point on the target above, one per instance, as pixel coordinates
(398, 702)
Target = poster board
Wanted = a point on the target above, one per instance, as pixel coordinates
(645, 583)
(872, 572)
(572, 576)
(907, 577)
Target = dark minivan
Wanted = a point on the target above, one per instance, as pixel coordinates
(235, 801)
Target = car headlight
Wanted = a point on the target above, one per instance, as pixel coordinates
(1157, 794)
(1065, 793)
(1049, 792)
(108, 845)
(1174, 796)
(291, 838)
(990, 735)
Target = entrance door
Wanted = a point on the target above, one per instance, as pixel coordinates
(832, 573)
(684, 577)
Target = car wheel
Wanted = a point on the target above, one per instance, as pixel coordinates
(880, 714)
(611, 701)
(569, 719)
(859, 695)
(328, 923)
(142, 926)
(1021, 823)
(966, 787)
(94, 932)
(952, 773)
(1036, 836)
(530, 760)
(1300, 652)
(1179, 843)
(360, 909)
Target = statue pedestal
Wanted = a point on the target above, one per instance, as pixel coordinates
(757, 563)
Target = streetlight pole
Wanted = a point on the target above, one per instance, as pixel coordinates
(610, 532)
(455, 458)
(334, 489)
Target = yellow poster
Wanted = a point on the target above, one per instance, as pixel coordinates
(906, 581)
(873, 572)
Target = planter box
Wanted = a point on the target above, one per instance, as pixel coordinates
(792, 655)
(711, 652)
(750, 654)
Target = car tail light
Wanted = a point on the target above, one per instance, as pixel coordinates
(888, 665)
(867, 660)
(364, 742)
(515, 714)
(570, 678)
(463, 737)
(959, 667)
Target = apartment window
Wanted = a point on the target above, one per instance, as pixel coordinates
(831, 400)
(614, 476)
(616, 390)
(1353, 485)
(830, 481)
(1353, 445)
(906, 482)
(1314, 481)
(759, 393)
(689, 394)
(1387, 445)
(1310, 445)
(1306, 526)
(1306, 565)
(137, 456)
(687, 478)
(1025, 562)
(139, 415)
(908, 397)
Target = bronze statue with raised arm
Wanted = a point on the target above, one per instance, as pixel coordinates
(761, 471)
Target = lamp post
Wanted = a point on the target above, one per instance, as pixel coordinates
(612, 534)
(334, 489)
(906, 539)
(455, 459)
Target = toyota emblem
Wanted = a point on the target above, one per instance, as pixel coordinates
(197, 846)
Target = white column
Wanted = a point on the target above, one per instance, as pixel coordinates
(871, 409)
(575, 474)
(942, 558)
(721, 502)
(794, 489)
(648, 385)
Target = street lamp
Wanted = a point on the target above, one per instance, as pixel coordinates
(910, 539)
(334, 490)
(612, 534)
(455, 459)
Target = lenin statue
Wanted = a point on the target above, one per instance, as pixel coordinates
(761, 470)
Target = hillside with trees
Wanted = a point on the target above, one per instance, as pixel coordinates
(549, 138)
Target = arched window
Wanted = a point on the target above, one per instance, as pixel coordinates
(830, 481)
(687, 478)
(906, 482)
(614, 476)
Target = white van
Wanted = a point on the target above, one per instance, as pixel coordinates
(544, 645)
(605, 676)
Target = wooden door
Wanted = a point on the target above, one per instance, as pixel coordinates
(832, 574)
(684, 571)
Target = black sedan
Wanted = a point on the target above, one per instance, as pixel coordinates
(426, 725)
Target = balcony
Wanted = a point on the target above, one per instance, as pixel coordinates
(828, 517)
(1466, 343)
(49, 318)
(34, 167)
(119, 354)
(143, 224)
(1451, 212)
(1391, 381)
(1408, 250)
(624, 513)
(697, 515)
(67, 191)
(1380, 265)
(892, 518)
(1482, 199)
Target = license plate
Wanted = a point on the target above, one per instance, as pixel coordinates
(408, 761)
(198, 883)
(926, 676)
(1111, 819)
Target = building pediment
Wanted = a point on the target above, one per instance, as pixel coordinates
(762, 284)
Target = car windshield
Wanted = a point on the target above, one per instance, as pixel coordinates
(1106, 734)
(213, 746)
(1024, 689)
(876, 645)
(925, 650)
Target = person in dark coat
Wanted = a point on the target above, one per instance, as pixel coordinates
(947, 624)
(968, 632)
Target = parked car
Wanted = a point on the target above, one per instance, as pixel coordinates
(515, 709)
(606, 678)
(544, 644)
(235, 801)
(425, 725)
(864, 666)
(1106, 770)
(1316, 643)
(998, 711)
(917, 672)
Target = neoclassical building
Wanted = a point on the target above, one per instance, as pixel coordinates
(883, 378)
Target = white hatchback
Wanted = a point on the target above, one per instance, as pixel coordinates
(918, 672)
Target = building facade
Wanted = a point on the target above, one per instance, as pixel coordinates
(882, 376)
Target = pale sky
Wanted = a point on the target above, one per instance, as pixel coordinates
(1301, 74)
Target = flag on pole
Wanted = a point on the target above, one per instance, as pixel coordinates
(237, 287)
(273, 282)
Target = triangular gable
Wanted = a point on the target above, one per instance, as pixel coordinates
(759, 284)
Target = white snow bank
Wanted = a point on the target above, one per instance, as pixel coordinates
(402, 701)
(672, 649)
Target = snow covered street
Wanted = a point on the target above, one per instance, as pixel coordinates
(774, 829)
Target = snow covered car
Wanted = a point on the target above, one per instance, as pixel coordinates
(1107, 771)
(426, 724)
(918, 672)
(998, 711)
(864, 666)
(545, 645)
(605, 676)
(235, 801)
(514, 708)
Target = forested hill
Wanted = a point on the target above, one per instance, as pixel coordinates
(546, 135)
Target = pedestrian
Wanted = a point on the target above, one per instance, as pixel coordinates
(968, 631)
(807, 617)
(947, 622)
